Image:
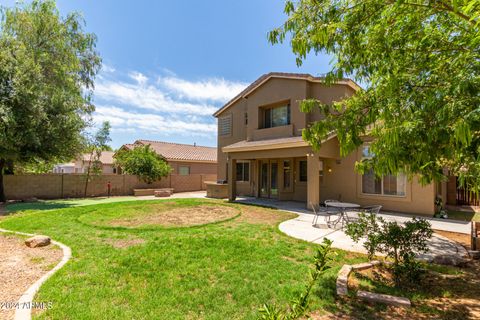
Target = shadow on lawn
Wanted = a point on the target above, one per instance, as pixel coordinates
(40, 205)
(50, 204)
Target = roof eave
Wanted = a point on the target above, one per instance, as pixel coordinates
(347, 82)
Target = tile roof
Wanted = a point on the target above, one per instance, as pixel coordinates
(105, 158)
(178, 151)
(266, 76)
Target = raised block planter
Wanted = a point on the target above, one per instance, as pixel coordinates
(167, 192)
(150, 192)
(342, 280)
(342, 286)
(384, 298)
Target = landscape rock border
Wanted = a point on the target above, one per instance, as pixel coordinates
(25, 313)
(342, 286)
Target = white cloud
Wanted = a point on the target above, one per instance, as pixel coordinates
(107, 68)
(137, 105)
(125, 121)
(140, 78)
(147, 97)
(216, 89)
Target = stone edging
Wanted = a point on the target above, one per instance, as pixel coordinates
(27, 297)
(342, 286)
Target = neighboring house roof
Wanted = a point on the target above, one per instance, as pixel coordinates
(105, 158)
(179, 152)
(264, 78)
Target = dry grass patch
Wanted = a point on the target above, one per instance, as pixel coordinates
(461, 238)
(124, 243)
(179, 217)
(260, 215)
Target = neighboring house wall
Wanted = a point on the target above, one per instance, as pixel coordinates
(194, 167)
(82, 166)
(67, 168)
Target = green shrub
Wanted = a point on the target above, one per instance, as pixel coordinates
(143, 162)
(398, 242)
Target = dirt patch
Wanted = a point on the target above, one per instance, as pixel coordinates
(462, 238)
(124, 243)
(20, 267)
(259, 215)
(180, 217)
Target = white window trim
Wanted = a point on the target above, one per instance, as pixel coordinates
(382, 192)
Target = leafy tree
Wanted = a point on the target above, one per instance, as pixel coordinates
(400, 243)
(420, 61)
(143, 162)
(47, 68)
(96, 145)
(34, 166)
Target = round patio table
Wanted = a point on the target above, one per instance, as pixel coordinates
(343, 207)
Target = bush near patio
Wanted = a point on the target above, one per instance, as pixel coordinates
(400, 243)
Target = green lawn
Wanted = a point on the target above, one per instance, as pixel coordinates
(464, 216)
(223, 270)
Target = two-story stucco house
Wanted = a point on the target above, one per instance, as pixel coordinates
(261, 152)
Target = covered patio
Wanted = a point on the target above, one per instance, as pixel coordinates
(301, 228)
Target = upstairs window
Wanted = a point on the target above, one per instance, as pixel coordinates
(225, 125)
(276, 116)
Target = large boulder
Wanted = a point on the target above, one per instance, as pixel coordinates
(37, 241)
(450, 259)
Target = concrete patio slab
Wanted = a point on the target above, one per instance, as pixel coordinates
(301, 228)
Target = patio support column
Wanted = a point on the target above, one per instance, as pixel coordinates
(232, 179)
(313, 181)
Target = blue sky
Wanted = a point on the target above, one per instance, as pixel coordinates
(169, 64)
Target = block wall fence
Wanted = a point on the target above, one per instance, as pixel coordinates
(56, 186)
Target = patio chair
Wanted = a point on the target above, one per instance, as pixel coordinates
(372, 209)
(367, 209)
(329, 212)
(315, 214)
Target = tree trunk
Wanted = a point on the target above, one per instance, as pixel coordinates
(88, 174)
(3, 198)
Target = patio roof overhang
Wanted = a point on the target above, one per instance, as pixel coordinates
(270, 144)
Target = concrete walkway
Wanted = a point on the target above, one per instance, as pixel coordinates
(301, 228)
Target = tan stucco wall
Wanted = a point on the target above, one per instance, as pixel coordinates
(54, 186)
(345, 184)
(271, 92)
